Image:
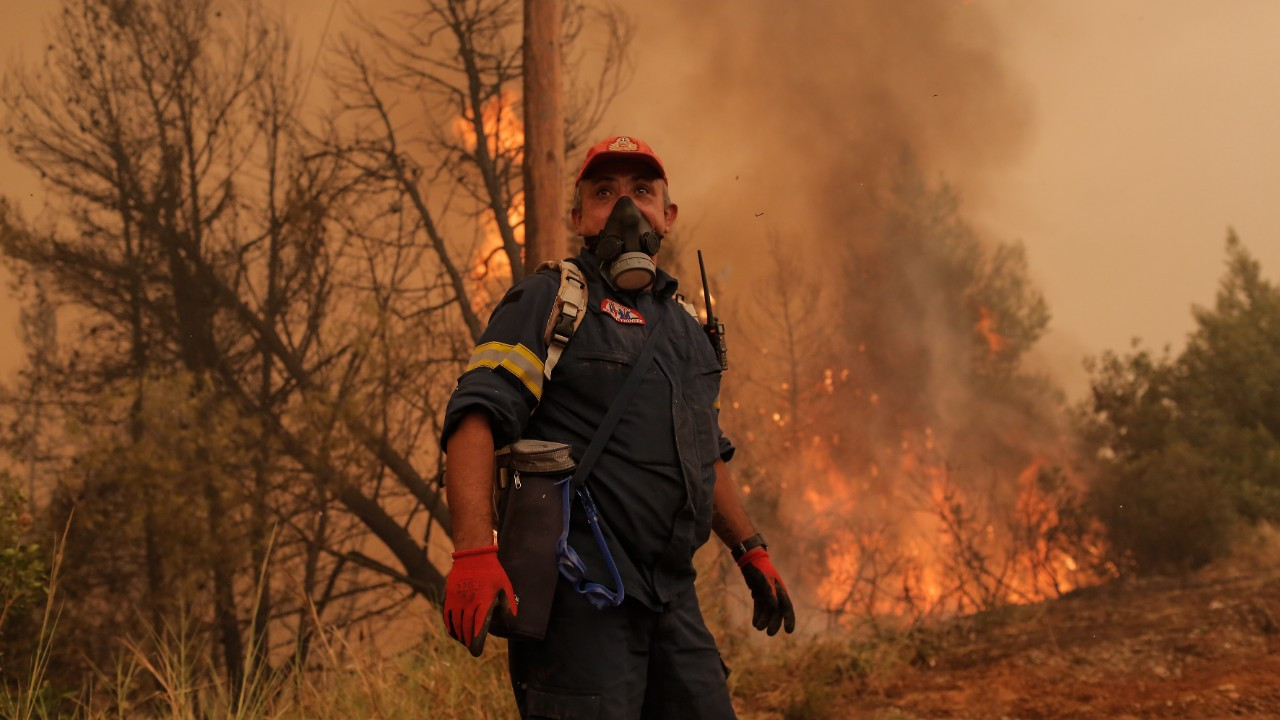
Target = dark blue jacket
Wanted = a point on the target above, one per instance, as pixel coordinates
(653, 483)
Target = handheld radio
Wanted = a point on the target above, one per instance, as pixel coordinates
(714, 329)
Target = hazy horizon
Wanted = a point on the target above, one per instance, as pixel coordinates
(1149, 131)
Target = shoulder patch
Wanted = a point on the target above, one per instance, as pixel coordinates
(621, 313)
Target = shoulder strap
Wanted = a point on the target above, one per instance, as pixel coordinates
(619, 405)
(688, 306)
(567, 312)
(596, 594)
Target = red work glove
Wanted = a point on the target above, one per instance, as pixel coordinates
(773, 604)
(475, 587)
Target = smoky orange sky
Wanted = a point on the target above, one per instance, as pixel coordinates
(1130, 136)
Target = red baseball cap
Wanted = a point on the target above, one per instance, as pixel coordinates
(619, 146)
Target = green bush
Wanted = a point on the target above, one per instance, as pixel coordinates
(1189, 446)
(1170, 511)
(24, 576)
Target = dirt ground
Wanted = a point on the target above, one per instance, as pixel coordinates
(1201, 647)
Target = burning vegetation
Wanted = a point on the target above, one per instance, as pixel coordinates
(887, 425)
(261, 322)
(490, 264)
(889, 429)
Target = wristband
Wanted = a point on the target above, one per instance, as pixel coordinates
(751, 543)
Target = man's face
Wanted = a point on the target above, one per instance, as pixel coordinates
(612, 178)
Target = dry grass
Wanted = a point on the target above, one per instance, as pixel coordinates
(171, 675)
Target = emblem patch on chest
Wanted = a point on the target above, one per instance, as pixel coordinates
(621, 313)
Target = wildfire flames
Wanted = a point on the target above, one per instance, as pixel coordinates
(986, 327)
(504, 138)
(928, 526)
(936, 548)
(503, 130)
(907, 535)
(919, 532)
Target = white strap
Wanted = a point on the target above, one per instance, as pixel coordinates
(570, 306)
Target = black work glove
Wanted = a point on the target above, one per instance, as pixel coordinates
(773, 605)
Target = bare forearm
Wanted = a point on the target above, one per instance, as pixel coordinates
(729, 519)
(469, 481)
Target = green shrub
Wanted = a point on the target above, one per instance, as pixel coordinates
(24, 578)
(1188, 447)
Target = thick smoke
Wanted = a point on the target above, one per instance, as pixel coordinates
(820, 152)
(802, 110)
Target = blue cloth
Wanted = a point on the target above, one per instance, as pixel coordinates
(620, 663)
(653, 483)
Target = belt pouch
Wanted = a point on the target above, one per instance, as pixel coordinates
(530, 512)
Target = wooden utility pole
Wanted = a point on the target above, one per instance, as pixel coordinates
(544, 207)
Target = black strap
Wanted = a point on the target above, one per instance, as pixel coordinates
(620, 403)
(746, 546)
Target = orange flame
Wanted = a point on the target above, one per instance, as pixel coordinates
(939, 549)
(504, 138)
(986, 326)
(503, 129)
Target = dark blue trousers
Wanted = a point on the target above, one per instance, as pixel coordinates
(621, 663)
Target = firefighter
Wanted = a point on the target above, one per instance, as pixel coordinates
(637, 647)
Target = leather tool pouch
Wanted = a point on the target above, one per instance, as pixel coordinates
(529, 508)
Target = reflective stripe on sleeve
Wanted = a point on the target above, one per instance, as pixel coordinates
(515, 359)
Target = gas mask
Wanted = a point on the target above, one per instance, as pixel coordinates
(626, 246)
